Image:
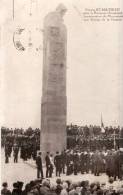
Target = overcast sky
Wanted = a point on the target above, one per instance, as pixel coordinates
(93, 64)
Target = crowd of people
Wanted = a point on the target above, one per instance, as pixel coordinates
(80, 157)
(27, 143)
(71, 161)
(62, 187)
(75, 161)
(84, 137)
(27, 150)
(92, 136)
(86, 152)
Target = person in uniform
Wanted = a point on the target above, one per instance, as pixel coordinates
(24, 151)
(85, 167)
(75, 162)
(116, 164)
(120, 173)
(6, 153)
(97, 163)
(69, 163)
(104, 156)
(58, 163)
(39, 166)
(15, 153)
(51, 165)
(110, 164)
(48, 164)
(82, 162)
(88, 161)
(63, 161)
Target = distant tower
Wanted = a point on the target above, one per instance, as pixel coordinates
(54, 101)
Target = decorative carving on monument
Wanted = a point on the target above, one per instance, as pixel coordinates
(54, 31)
(61, 10)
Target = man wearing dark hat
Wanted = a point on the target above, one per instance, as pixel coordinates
(39, 166)
(5, 190)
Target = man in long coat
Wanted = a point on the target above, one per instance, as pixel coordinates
(97, 163)
(48, 164)
(39, 166)
(15, 153)
(58, 164)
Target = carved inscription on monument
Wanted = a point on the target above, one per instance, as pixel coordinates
(57, 51)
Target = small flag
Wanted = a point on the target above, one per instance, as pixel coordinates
(102, 125)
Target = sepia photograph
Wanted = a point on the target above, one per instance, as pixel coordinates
(61, 108)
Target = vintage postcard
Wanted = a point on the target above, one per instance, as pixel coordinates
(61, 81)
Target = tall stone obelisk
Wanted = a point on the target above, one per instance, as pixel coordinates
(54, 101)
